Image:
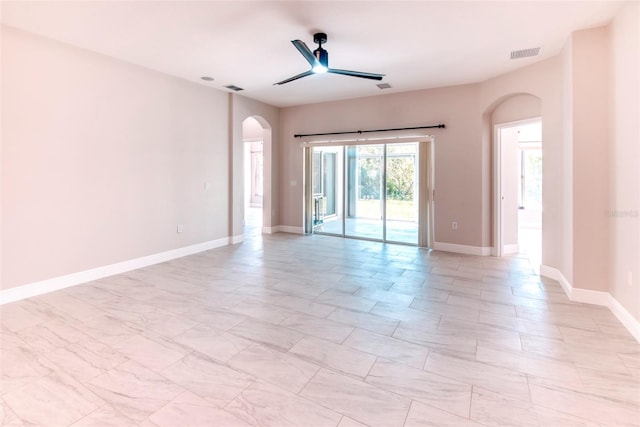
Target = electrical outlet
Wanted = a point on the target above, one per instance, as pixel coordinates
(454, 225)
(179, 230)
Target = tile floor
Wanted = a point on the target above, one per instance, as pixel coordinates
(291, 330)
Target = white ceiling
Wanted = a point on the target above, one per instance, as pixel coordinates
(417, 44)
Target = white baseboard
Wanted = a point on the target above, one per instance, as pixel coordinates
(462, 249)
(236, 239)
(555, 274)
(289, 229)
(61, 282)
(594, 297)
(271, 230)
(511, 249)
(629, 322)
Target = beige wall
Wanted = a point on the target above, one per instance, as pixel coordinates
(102, 159)
(590, 121)
(457, 148)
(624, 159)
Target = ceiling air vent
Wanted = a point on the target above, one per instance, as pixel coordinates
(234, 87)
(525, 53)
(383, 86)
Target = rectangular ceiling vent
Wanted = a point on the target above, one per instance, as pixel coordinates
(383, 86)
(525, 53)
(234, 87)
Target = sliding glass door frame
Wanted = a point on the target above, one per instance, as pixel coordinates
(424, 193)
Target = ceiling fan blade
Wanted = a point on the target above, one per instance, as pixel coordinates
(299, 76)
(306, 52)
(372, 76)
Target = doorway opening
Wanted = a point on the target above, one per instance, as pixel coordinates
(519, 189)
(370, 191)
(253, 166)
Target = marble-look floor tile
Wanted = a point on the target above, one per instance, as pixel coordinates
(266, 333)
(421, 415)
(275, 367)
(266, 405)
(520, 325)
(152, 352)
(105, 416)
(67, 307)
(496, 379)
(219, 318)
(107, 329)
(631, 362)
(85, 359)
(335, 356)
(622, 388)
(262, 311)
(20, 364)
(388, 347)
(590, 407)
(385, 296)
(134, 390)
(216, 344)
(345, 300)
(370, 322)
(51, 335)
(21, 315)
(602, 359)
(191, 410)
(355, 399)
(442, 308)
(320, 328)
(488, 323)
(485, 334)
(91, 292)
(39, 402)
(416, 384)
(215, 382)
(348, 422)
(482, 305)
(461, 346)
(8, 418)
(560, 372)
(492, 409)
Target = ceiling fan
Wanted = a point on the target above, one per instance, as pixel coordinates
(319, 61)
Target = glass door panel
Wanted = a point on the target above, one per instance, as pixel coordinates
(326, 190)
(364, 191)
(401, 192)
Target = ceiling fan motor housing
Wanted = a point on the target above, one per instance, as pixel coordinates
(320, 38)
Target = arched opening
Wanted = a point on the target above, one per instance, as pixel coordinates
(256, 176)
(515, 126)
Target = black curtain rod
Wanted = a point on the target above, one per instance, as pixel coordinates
(440, 126)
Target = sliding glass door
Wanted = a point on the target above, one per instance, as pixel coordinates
(366, 191)
(401, 193)
(364, 188)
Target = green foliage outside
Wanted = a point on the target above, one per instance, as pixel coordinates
(400, 178)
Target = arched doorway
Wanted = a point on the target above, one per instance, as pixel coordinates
(256, 176)
(515, 126)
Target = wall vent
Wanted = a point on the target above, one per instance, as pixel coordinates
(525, 53)
(234, 87)
(383, 86)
